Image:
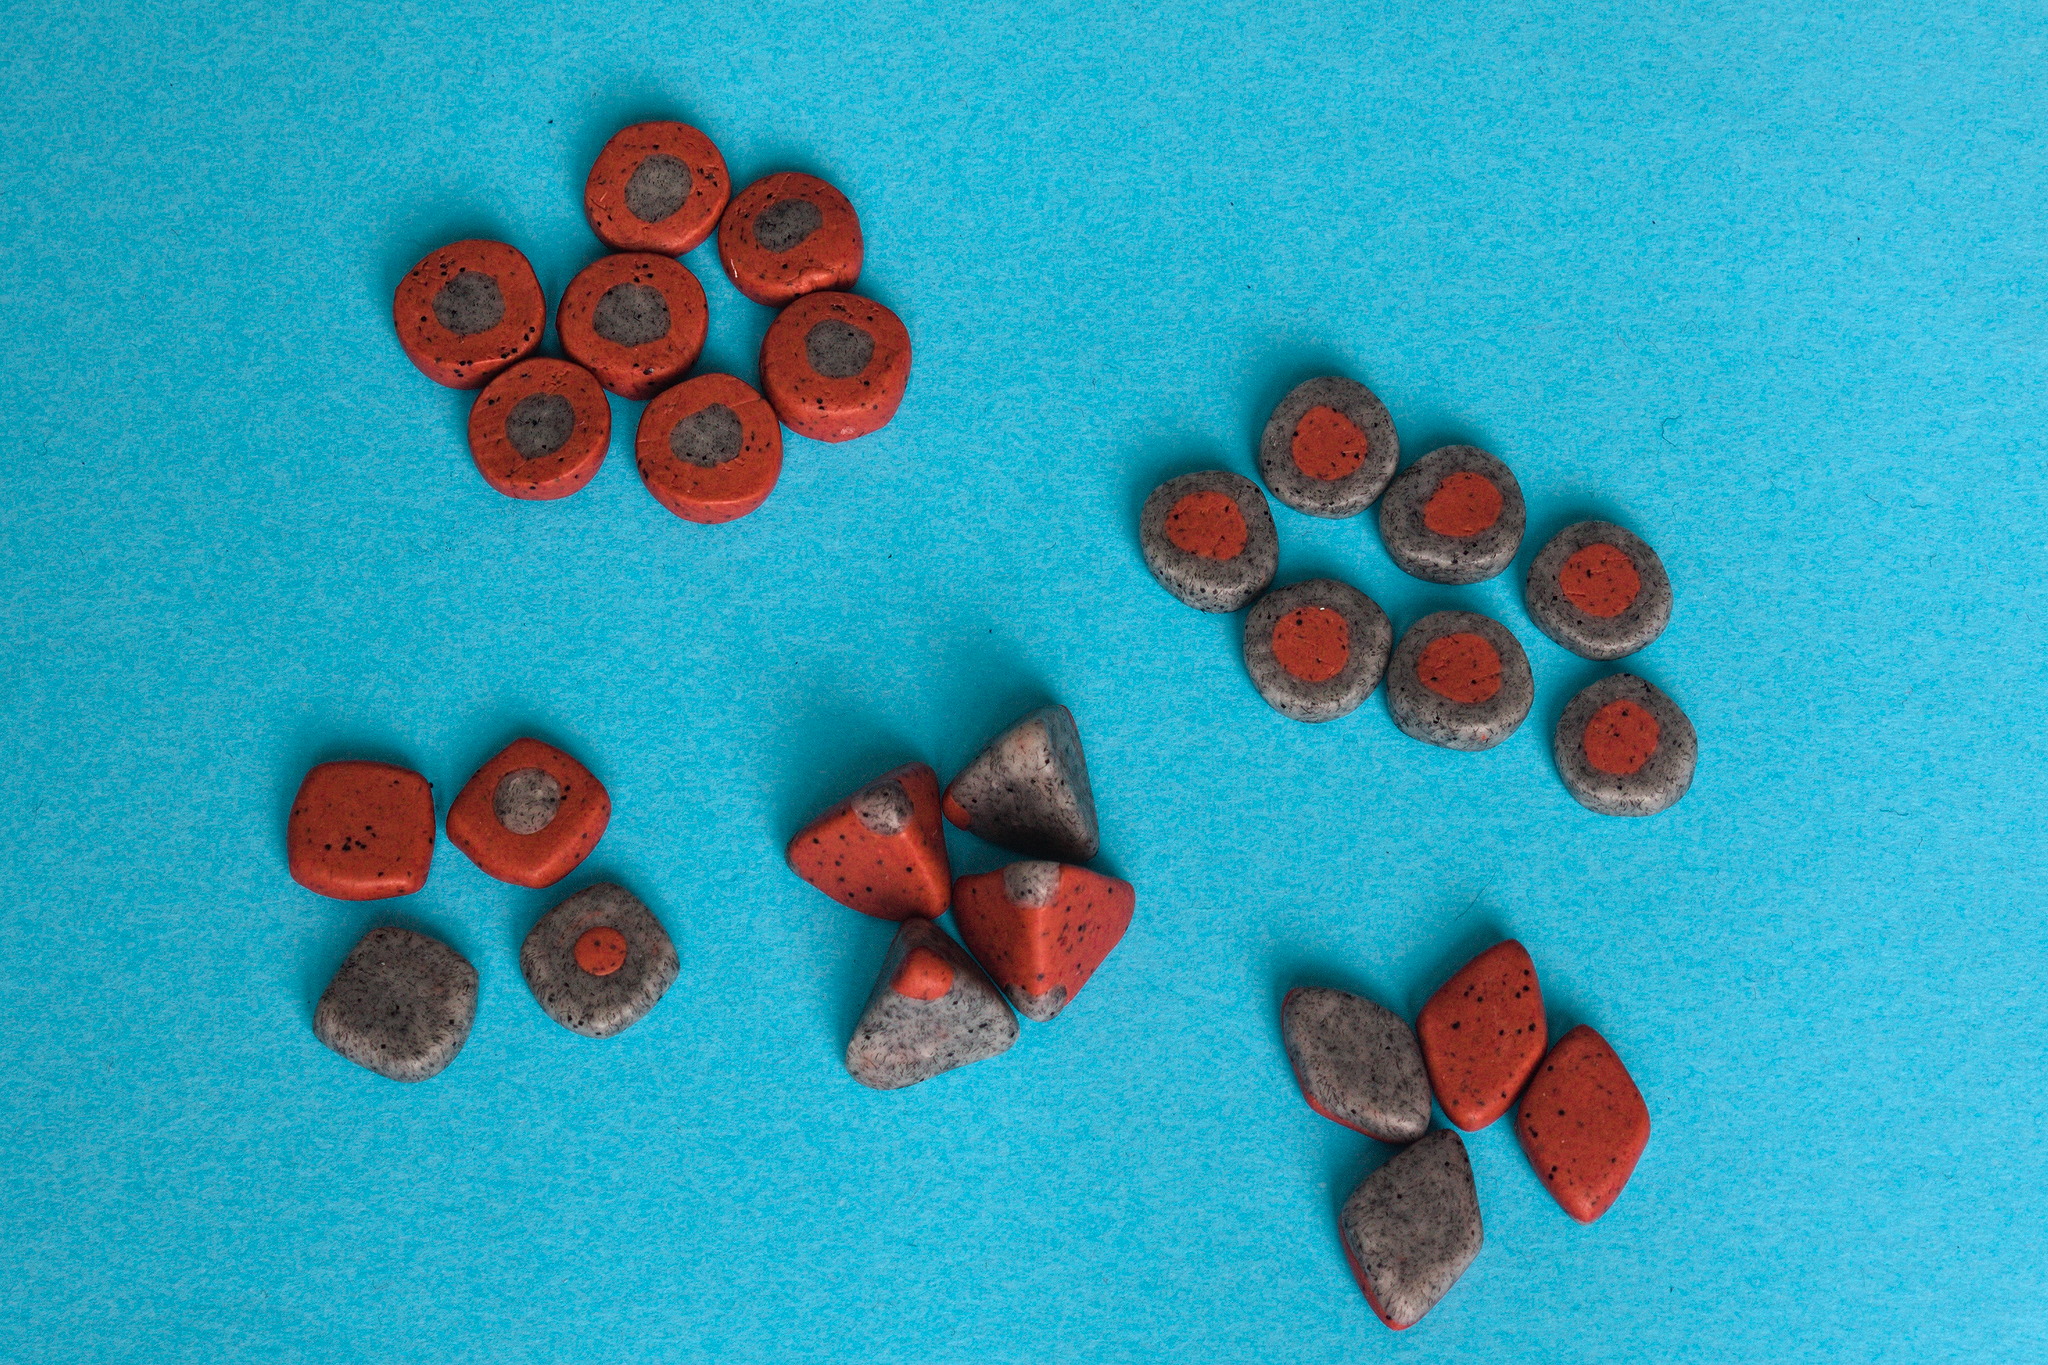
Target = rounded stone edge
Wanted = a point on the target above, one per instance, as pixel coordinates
(1335, 697)
(1332, 498)
(1411, 704)
(1208, 584)
(1591, 637)
(1659, 784)
(1452, 560)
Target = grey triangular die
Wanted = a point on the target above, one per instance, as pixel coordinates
(1028, 791)
(908, 1033)
(1411, 1228)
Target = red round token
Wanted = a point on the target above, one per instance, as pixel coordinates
(601, 950)
(709, 449)
(636, 321)
(468, 311)
(656, 187)
(789, 235)
(835, 366)
(539, 430)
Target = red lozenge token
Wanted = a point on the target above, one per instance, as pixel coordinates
(469, 311)
(539, 430)
(1482, 1035)
(1600, 580)
(1464, 504)
(1312, 643)
(601, 951)
(835, 366)
(709, 449)
(1208, 524)
(1583, 1124)
(1462, 668)
(361, 831)
(656, 187)
(1620, 738)
(636, 321)
(788, 235)
(1328, 445)
(924, 975)
(531, 815)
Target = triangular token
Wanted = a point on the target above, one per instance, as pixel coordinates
(1411, 1228)
(931, 1010)
(1028, 790)
(1041, 929)
(881, 850)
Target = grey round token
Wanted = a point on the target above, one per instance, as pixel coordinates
(402, 1005)
(599, 961)
(1454, 516)
(1624, 748)
(1599, 591)
(1317, 649)
(1329, 448)
(1208, 538)
(1460, 680)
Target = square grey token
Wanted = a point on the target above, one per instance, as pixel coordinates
(401, 1005)
(599, 961)
(932, 1009)
(1357, 1062)
(1411, 1228)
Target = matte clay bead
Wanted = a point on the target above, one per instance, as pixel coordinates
(1482, 1035)
(599, 961)
(1459, 680)
(932, 1010)
(1412, 1227)
(1357, 1063)
(1041, 929)
(1316, 650)
(469, 311)
(1208, 538)
(1028, 791)
(636, 321)
(709, 449)
(1329, 448)
(402, 1005)
(531, 815)
(882, 850)
(361, 831)
(788, 235)
(835, 366)
(1583, 1124)
(1624, 748)
(656, 187)
(1599, 591)
(539, 430)
(1454, 516)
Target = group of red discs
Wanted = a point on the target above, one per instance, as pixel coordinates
(833, 365)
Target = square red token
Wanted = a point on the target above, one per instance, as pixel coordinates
(530, 815)
(361, 831)
(1583, 1124)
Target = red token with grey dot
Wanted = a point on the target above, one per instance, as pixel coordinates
(531, 815)
(1454, 516)
(636, 321)
(539, 430)
(1624, 748)
(788, 235)
(1315, 650)
(1208, 538)
(835, 366)
(468, 312)
(709, 449)
(1459, 680)
(1329, 448)
(656, 187)
(1599, 591)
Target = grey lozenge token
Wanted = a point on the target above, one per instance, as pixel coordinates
(1329, 448)
(631, 315)
(1315, 650)
(1459, 680)
(1208, 538)
(932, 1009)
(1599, 591)
(469, 303)
(1624, 748)
(1412, 1227)
(1357, 1063)
(401, 1005)
(1454, 516)
(1029, 791)
(599, 961)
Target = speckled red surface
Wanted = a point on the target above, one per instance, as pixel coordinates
(637, 372)
(829, 258)
(604, 193)
(1208, 524)
(548, 855)
(1583, 1124)
(361, 831)
(715, 493)
(1600, 580)
(890, 876)
(1043, 955)
(1464, 504)
(469, 362)
(555, 475)
(826, 409)
(1327, 444)
(1482, 1035)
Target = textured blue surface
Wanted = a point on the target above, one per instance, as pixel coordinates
(1766, 286)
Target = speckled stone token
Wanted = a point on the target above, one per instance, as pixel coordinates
(1315, 650)
(469, 311)
(539, 430)
(1454, 516)
(1482, 1035)
(1583, 1124)
(835, 366)
(656, 187)
(1329, 448)
(1460, 680)
(636, 321)
(709, 449)
(361, 831)
(531, 815)
(882, 850)
(788, 235)
(1624, 748)
(1041, 929)
(1411, 1228)
(1599, 591)
(1357, 1063)
(1208, 538)
(932, 1010)
(402, 1005)
(599, 961)
(1028, 791)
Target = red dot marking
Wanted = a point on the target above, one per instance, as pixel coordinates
(1600, 580)
(1328, 445)
(924, 975)
(1464, 504)
(1207, 524)
(1463, 668)
(601, 951)
(1620, 738)
(1312, 643)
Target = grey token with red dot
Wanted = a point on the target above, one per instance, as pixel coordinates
(1329, 448)
(1459, 680)
(1624, 748)
(1316, 650)
(1454, 516)
(1208, 538)
(599, 961)
(1599, 591)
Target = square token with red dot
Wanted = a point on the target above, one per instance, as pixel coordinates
(361, 831)
(530, 815)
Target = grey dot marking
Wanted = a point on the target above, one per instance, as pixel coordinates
(526, 800)
(469, 303)
(708, 438)
(884, 807)
(658, 188)
(540, 424)
(838, 350)
(785, 223)
(631, 315)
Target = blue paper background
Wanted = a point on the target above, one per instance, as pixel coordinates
(1764, 284)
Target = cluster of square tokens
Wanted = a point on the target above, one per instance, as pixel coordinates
(833, 365)
(1412, 1227)
(1317, 649)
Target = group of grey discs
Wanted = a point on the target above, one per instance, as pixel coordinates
(1315, 650)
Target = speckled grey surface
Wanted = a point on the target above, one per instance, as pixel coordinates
(526, 800)
(631, 315)
(708, 437)
(901, 1040)
(1352, 494)
(469, 303)
(1211, 584)
(883, 807)
(1451, 559)
(1656, 785)
(838, 349)
(540, 424)
(1357, 1062)
(784, 224)
(658, 188)
(1412, 1227)
(402, 1005)
(598, 1006)
(1028, 790)
(1436, 719)
(1372, 637)
(1597, 637)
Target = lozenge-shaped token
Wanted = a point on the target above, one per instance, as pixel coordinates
(1412, 1227)
(1208, 538)
(1583, 1124)
(401, 1005)
(1357, 1063)
(835, 366)
(932, 1009)
(1454, 516)
(599, 961)
(709, 449)
(1316, 650)
(1459, 680)
(539, 430)
(1028, 791)
(531, 815)
(1624, 748)
(1329, 448)
(361, 831)
(882, 850)
(656, 187)
(1482, 1035)
(1599, 591)
(1041, 929)
(636, 321)
(469, 311)
(787, 235)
